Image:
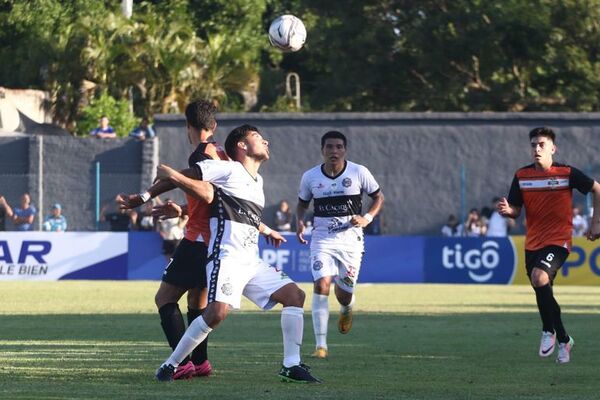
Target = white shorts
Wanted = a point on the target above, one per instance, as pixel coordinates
(344, 266)
(230, 278)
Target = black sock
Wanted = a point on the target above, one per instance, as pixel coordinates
(545, 303)
(172, 323)
(561, 333)
(200, 353)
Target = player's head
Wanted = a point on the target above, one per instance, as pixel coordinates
(246, 140)
(333, 147)
(333, 135)
(543, 146)
(200, 115)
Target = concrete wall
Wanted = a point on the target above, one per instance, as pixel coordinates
(416, 157)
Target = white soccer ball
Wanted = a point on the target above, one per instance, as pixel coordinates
(287, 33)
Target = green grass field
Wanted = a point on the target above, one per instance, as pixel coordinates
(102, 340)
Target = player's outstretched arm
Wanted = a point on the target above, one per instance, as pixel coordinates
(594, 231)
(363, 220)
(188, 181)
(507, 210)
(300, 211)
(130, 201)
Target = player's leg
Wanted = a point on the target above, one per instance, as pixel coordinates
(198, 331)
(349, 267)
(542, 266)
(268, 287)
(323, 271)
(197, 299)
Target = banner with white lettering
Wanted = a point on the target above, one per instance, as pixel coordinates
(69, 255)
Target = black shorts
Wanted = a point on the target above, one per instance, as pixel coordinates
(169, 246)
(187, 268)
(549, 259)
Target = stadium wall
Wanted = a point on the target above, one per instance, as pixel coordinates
(417, 158)
(388, 259)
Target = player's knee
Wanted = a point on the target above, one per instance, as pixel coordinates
(539, 278)
(297, 298)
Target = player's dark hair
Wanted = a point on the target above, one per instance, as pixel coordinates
(201, 114)
(543, 131)
(235, 136)
(333, 135)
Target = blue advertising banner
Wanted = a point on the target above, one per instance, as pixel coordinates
(469, 260)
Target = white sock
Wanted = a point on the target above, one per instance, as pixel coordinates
(348, 308)
(320, 318)
(195, 333)
(292, 327)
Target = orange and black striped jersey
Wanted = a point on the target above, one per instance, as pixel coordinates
(197, 228)
(547, 198)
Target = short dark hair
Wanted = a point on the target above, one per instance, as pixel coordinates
(201, 114)
(235, 136)
(543, 131)
(333, 135)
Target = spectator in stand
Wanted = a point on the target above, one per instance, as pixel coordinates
(104, 130)
(119, 220)
(24, 215)
(143, 131)
(473, 226)
(55, 222)
(171, 230)
(5, 211)
(452, 228)
(580, 224)
(145, 220)
(283, 217)
(498, 226)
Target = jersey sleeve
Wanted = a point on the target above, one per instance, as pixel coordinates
(580, 181)
(304, 192)
(515, 197)
(214, 171)
(368, 182)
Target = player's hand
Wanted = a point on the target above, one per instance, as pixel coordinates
(168, 210)
(594, 232)
(504, 208)
(128, 201)
(300, 232)
(163, 171)
(358, 221)
(275, 238)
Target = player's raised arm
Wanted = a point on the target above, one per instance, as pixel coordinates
(188, 181)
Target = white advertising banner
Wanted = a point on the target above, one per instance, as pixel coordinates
(70, 255)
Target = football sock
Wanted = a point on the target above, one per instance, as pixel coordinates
(561, 333)
(172, 323)
(292, 327)
(196, 332)
(199, 355)
(320, 318)
(545, 303)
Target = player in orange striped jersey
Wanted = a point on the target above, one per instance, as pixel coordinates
(544, 189)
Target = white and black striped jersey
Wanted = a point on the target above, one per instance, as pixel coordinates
(336, 199)
(236, 210)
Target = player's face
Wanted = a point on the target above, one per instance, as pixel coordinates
(542, 150)
(256, 146)
(334, 151)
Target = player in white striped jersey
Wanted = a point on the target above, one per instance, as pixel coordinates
(236, 195)
(336, 188)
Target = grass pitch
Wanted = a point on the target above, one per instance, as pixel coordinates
(102, 340)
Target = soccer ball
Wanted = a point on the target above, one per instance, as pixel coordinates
(287, 33)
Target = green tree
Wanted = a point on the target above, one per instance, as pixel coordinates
(121, 119)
